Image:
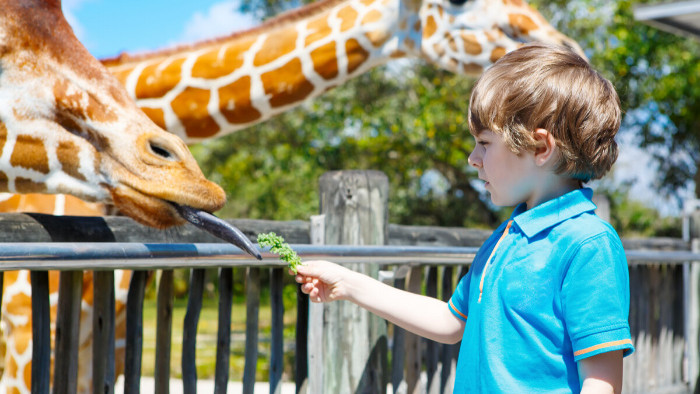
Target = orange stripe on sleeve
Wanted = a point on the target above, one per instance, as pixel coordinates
(457, 310)
(603, 345)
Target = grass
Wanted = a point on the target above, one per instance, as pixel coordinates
(206, 339)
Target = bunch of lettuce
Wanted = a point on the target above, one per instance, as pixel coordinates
(278, 246)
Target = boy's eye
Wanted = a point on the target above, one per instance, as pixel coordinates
(482, 143)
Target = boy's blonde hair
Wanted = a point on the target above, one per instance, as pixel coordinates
(553, 88)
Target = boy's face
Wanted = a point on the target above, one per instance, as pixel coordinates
(510, 178)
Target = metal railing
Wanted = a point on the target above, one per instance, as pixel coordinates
(72, 258)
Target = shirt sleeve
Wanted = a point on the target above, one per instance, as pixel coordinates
(595, 298)
(459, 302)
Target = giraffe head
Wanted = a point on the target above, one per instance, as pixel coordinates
(465, 36)
(68, 126)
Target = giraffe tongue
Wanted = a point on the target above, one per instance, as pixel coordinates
(218, 228)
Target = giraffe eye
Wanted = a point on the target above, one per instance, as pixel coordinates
(162, 152)
(458, 2)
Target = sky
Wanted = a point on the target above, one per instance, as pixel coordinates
(110, 27)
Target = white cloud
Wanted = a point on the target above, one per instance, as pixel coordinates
(221, 19)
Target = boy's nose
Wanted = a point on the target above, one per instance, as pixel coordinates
(474, 160)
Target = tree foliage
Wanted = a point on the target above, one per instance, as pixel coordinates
(655, 73)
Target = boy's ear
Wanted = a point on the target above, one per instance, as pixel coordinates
(545, 146)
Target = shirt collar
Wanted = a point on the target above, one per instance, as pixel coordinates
(553, 212)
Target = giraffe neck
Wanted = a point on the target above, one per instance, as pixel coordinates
(229, 84)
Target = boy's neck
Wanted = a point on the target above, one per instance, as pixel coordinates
(556, 186)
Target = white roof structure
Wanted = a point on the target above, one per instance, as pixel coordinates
(677, 17)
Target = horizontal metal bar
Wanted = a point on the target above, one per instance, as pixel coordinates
(109, 256)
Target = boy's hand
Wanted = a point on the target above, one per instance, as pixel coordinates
(323, 281)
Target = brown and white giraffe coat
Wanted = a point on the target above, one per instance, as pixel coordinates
(221, 86)
(66, 126)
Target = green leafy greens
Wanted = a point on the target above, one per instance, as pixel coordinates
(278, 246)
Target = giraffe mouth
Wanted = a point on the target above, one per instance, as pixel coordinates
(217, 227)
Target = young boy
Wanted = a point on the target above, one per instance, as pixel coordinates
(544, 307)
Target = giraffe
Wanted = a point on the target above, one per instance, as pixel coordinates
(219, 86)
(68, 126)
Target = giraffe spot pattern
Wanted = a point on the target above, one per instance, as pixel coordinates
(430, 27)
(234, 100)
(325, 60)
(522, 23)
(190, 106)
(3, 136)
(286, 84)
(371, 17)
(278, 43)
(471, 44)
(356, 54)
(473, 68)
(67, 154)
(29, 152)
(378, 37)
(211, 65)
(516, 3)
(156, 114)
(80, 104)
(122, 75)
(24, 185)
(319, 29)
(497, 53)
(155, 82)
(347, 15)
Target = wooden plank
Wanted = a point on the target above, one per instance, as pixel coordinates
(301, 356)
(355, 207)
(277, 339)
(251, 329)
(313, 361)
(20, 227)
(2, 281)
(134, 333)
(413, 349)
(223, 342)
(164, 332)
(47, 228)
(432, 356)
(447, 356)
(103, 332)
(189, 332)
(41, 333)
(70, 291)
(398, 349)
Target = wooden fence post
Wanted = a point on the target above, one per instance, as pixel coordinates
(354, 341)
(691, 273)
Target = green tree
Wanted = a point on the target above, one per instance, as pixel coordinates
(656, 74)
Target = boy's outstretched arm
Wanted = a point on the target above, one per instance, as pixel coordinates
(601, 373)
(428, 317)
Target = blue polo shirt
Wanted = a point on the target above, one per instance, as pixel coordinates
(547, 289)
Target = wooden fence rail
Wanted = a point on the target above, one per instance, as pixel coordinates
(656, 316)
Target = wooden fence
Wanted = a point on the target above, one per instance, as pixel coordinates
(659, 324)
